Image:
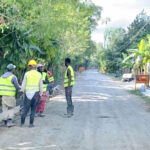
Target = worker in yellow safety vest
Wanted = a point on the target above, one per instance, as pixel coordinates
(50, 77)
(51, 83)
(68, 84)
(8, 86)
(32, 87)
(41, 106)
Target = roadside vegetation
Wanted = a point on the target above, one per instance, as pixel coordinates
(47, 31)
(126, 50)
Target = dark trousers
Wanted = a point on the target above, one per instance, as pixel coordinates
(27, 105)
(68, 93)
(50, 88)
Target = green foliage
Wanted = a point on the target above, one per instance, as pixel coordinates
(138, 57)
(48, 31)
(110, 56)
(138, 30)
(126, 48)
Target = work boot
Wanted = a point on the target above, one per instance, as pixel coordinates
(31, 126)
(68, 115)
(5, 122)
(41, 114)
(37, 114)
(22, 125)
(51, 96)
(10, 123)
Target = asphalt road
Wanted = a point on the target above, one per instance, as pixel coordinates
(106, 117)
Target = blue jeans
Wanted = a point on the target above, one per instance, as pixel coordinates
(27, 105)
(50, 88)
(68, 93)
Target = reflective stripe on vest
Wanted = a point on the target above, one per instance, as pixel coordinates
(66, 77)
(44, 78)
(33, 80)
(51, 79)
(6, 86)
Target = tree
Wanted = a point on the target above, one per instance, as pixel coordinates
(47, 31)
(111, 54)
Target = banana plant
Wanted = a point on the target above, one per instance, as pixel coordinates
(128, 61)
(135, 57)
(147, 51)
(138, 58)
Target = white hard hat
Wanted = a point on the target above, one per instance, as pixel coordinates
(40, 65)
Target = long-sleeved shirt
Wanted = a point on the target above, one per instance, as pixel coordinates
(14, 79)
(30, 94)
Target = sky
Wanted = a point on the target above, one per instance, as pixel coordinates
(121, 13)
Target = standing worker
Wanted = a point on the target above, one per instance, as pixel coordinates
(41, 106)
(51, 83)
(68, 84)
(32, 86)
(50, 77)
(8, 86)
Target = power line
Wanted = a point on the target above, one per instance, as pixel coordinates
(133, 37)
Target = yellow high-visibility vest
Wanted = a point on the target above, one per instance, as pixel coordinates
(44, 78)
(67, 79)
(6, 86)
(33, 80)
(51, 79)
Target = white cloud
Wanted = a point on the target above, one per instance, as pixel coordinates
(121, 13)
(97, 37)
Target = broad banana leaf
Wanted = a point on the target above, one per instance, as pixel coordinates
(141, 46)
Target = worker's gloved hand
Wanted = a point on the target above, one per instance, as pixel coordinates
(21, 92)
(44, 82)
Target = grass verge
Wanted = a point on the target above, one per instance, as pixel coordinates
(138, 93)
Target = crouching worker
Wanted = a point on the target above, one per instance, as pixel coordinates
(41, 106)
(8, 86)
(32, 86)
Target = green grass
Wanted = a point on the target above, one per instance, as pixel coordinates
(114, 76)
(138, 93)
